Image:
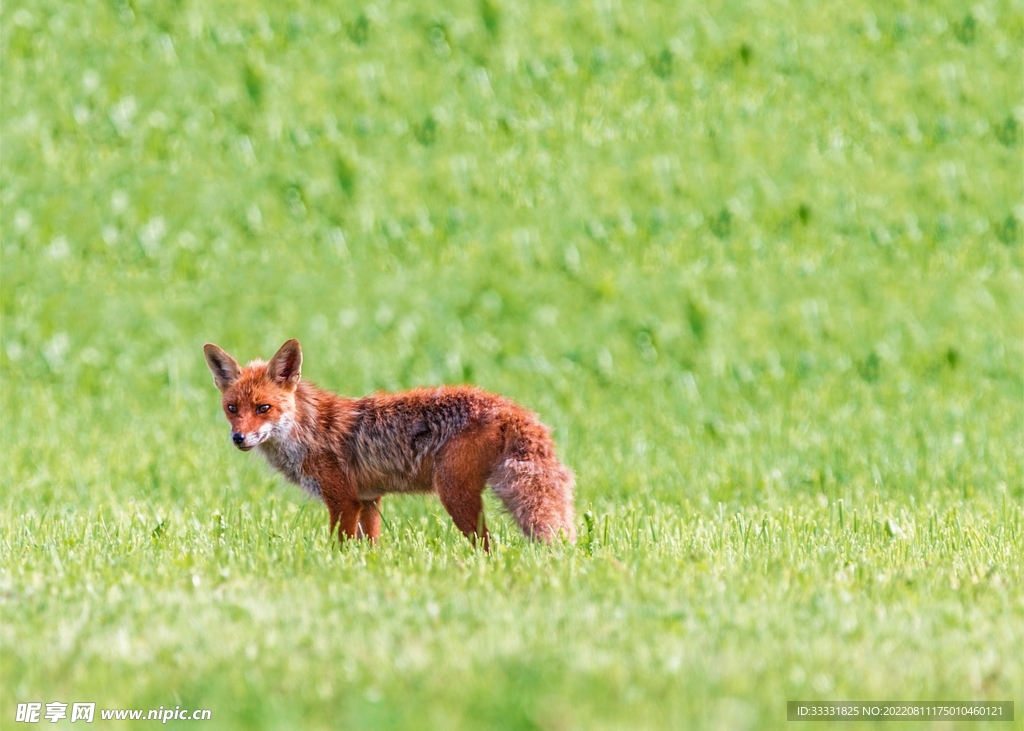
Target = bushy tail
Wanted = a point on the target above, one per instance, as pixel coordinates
(536, 488)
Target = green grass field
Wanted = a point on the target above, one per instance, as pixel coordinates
(758, 264)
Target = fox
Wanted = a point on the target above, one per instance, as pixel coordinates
(351, 452)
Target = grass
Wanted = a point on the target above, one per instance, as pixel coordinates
(759, 265)
(661, 620)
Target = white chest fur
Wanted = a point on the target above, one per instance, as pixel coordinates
(286, 455)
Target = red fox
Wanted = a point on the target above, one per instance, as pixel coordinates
(452, 440)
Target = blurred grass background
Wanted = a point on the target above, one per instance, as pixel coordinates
(747, 259)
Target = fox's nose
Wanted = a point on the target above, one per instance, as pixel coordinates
(238, 438)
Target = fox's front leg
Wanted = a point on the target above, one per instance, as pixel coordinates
(369, 520)
(344, 516)
(340, 496)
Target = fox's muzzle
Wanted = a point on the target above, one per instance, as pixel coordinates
(239, 439)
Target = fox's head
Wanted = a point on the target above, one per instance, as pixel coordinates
(259, 400)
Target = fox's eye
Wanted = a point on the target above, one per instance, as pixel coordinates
(262, 408)
(232, 408)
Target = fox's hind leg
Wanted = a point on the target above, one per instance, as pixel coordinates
(460, 472)
(463, 501)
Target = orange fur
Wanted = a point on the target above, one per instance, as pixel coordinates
(452, 440)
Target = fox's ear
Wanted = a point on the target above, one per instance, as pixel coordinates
(224, 368)
(285, 367)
